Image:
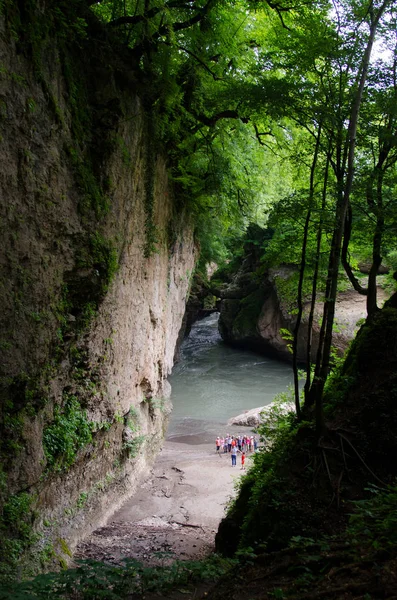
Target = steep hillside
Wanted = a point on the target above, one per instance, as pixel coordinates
(306, 486)
(95, 268)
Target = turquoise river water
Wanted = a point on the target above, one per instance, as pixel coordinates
(213, 382)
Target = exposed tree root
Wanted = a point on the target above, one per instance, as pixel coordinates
(361, 459)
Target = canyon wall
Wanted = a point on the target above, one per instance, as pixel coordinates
(95, 268)
(255, 311)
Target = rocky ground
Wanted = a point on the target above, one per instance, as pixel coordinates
(176, 513)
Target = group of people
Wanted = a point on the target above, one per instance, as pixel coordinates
(241, 444)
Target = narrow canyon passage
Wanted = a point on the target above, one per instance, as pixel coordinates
(177, 509)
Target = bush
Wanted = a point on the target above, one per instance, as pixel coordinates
(373, 525)
(94, 580)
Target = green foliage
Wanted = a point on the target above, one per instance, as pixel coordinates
(151, 238)
(246, 555)
(16, 516)
(278, 419)
(132, 420)
(46, 555)
(133, 446)
(392, 260)
(92, 197)
(338, 385)
(82, 297)
(68, 432)
(191, 74)
(93, 580)
(103, 257)
(100, 426)
(373, 524)
(17, 534)
(239, 245)
(287, 285)
(82, 500)
(133, 441)
(287, 337)
(156, 403)
(264, 491)
(23, 397)
(65, 548)
(251, 69)
(11, 427)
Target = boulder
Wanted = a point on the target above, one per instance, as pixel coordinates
(249, 418)
(256, 416)
(365, 267)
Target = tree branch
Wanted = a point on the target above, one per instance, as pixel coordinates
(198, 59)
(203, 12)
(344, 255)
(163, 30)
(259, 134)
(225, 114)
(279, 9)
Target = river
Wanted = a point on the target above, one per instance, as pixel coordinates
(213, 382)
(178, 507)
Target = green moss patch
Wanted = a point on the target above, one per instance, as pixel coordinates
(250, 308)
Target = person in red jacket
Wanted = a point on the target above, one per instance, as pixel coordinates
(243, 461)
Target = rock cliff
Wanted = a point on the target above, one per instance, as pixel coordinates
(254, 311)
(95, 268)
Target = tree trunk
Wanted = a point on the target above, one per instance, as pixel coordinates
(372, 306)
(345, 250)
(302, 276)
(314, 288)
(344, 191)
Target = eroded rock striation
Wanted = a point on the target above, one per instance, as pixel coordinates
(95, 268)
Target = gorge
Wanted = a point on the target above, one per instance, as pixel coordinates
(144, 146)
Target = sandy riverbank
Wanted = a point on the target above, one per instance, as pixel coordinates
(176, 511)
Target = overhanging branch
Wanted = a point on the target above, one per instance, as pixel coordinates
(164, 29)
(259, 134)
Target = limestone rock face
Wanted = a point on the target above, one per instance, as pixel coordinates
(253, 313)
(95, 268)
(262, 414)
(249, 418)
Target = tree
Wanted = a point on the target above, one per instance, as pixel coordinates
(328, 95)
(376, 175)
(284, 63)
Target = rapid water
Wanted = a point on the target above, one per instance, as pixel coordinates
(213, 382)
